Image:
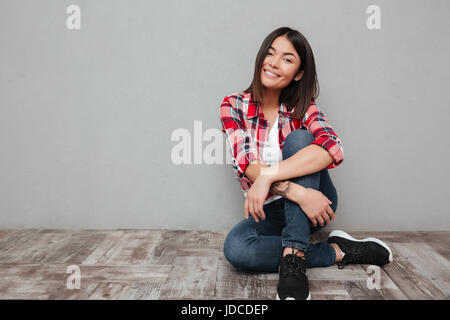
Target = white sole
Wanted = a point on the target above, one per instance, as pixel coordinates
(291, 298)
(342, 234)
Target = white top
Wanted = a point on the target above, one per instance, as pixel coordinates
(272, 154)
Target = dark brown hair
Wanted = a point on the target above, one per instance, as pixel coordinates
(298, 93)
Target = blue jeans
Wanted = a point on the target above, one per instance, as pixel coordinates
(258, 246)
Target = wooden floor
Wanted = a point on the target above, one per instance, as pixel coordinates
(169, 264)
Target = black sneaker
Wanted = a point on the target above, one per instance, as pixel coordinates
(293, 284)
(365, 251)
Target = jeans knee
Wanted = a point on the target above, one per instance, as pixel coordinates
(236, 252)
(295, 141)
(231, 249)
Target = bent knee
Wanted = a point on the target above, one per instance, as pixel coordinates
(295, 141)
(237, 252)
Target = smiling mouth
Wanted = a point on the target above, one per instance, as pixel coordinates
(271, 74)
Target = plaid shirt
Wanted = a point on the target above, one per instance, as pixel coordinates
(247, 131)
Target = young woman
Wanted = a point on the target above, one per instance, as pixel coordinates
(282, 147)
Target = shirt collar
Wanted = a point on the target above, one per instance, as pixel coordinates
(254, 110)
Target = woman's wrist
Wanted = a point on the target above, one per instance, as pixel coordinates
(300, 194)
(269, 174)
(288, 189)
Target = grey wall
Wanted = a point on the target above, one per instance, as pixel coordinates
(86, 116)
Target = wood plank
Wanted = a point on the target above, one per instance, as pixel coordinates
(320, 296)
(319, 288)
(358, 290)
(125, 247)
(142, 290)
(109, 291)
(232, 283)
(412, 283)
(189, 264)
(428, 263)
(75, 247)
(166, 249)
(105, 249)
(388, 289)
(51, 280)
(191, 277)
(20, 246)
(4, 234)
(351, 272)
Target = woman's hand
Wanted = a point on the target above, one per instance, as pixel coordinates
(316, 206)
(256, 196)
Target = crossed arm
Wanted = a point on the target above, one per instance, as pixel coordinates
(310, 159)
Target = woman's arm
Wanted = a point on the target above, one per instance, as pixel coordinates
(242, 144)
(287, 189)
(315, 205)
(308, 160)
(325, 152)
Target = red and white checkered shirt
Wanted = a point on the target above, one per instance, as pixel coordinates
(247, 131)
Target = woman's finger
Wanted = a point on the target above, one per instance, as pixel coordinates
(325, 217)
(313, 221)
(330, 212)
(320, 220)
(246, 208)
(252, 211)
(261, 210)
(255, 208)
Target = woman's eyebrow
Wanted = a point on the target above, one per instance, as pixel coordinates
(284, 53)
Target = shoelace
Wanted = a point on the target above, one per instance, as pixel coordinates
(351, 257)
(294, 265)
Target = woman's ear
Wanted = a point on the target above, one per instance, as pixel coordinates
(299, 76)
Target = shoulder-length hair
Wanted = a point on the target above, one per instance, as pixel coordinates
(298, 94)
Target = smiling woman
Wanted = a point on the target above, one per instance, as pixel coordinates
(276, 121)
(285, 71)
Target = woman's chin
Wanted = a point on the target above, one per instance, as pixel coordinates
(269, 86)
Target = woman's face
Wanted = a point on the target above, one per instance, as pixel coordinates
(283, 61)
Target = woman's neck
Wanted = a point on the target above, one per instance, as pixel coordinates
(271, 99)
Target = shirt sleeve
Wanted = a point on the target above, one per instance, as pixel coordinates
(240, 141)
(316, 123)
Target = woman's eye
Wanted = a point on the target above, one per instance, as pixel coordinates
(288, 60)
(270, 54)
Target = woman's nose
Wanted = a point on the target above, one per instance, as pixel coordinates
(274, 63)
